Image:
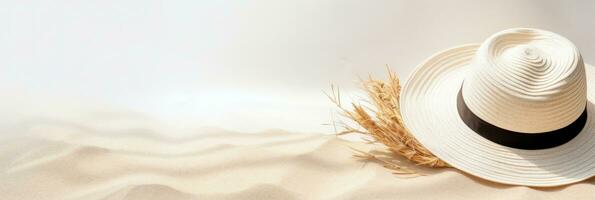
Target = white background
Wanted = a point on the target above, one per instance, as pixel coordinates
(239, 65)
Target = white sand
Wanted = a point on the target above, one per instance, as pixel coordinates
(58, 160)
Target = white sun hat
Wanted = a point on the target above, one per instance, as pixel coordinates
(516, 109)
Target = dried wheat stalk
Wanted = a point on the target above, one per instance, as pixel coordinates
(385, 124)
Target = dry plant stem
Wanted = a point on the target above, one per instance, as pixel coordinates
(385, 124)
(395, 167)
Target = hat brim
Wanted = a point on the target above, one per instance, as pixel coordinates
(429, 110)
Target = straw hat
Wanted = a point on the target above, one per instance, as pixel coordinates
(516, 109)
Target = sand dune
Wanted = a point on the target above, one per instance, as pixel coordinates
(57, 160)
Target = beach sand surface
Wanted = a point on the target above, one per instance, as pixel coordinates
(45, 159)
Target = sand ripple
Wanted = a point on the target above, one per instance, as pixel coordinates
(58, 160)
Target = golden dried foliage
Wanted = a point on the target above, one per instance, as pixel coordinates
(384, 123)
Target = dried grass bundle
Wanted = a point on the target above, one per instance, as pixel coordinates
(385, 124)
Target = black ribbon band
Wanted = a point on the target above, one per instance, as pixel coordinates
(519, 140)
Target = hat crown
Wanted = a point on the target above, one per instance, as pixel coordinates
(526, 80)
